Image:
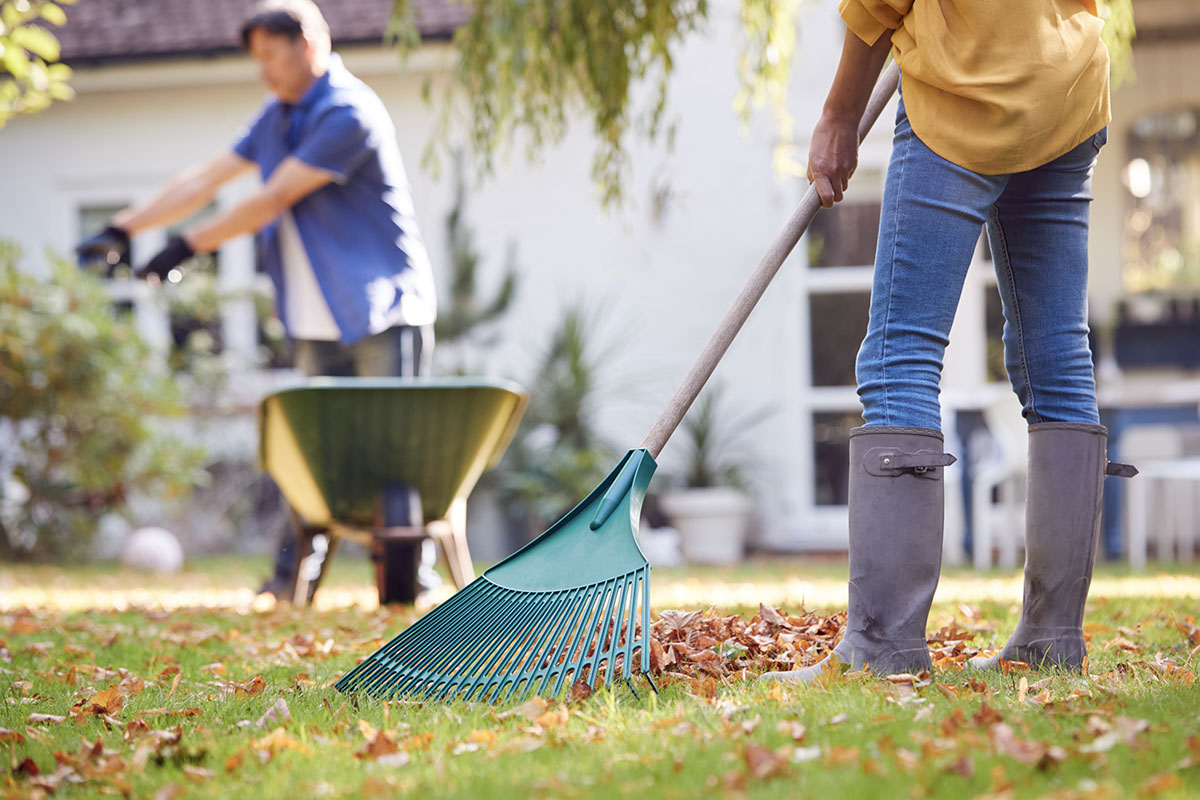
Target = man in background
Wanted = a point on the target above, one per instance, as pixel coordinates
(339, 238)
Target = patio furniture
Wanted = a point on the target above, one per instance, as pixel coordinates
(334, 444)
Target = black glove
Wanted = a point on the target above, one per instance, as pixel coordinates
(103, 251)
(171, 256)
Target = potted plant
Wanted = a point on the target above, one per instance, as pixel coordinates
(712, 508)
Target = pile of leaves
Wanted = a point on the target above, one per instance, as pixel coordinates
(697, 643)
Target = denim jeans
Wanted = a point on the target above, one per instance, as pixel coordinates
(1037, 225)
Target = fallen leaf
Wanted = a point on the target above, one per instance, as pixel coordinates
(234, 762)
(105, 702)
(170, 792)
(380, 745)
(15, 737)
(1160, 784)
(763, 762)
(278, 714)
(580, 691)
(198, 773)
(791, 728)
(39, 719)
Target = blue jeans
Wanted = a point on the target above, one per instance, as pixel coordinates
(1037, 224)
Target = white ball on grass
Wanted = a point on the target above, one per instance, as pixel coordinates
(152, 550)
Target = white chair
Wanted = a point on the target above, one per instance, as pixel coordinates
(999, 471)
(1163, 501)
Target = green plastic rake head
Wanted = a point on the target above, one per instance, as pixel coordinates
(572, 605)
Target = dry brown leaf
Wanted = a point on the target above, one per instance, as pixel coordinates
(580, 691)
(27, 767)
(278, 714)
(962, 767)
(40, 719)
(234, 762)
(170, 792)
(16, 737)
(791, 728)
(108, 701)
(277, 741)
(198, 773)
(1160, 784)
(763, 762)
(483, 737)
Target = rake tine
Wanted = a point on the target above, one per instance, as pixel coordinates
(578, 631)
(615, 626)
(538, 630)
(489, 663)
(631, 625)
(586, 634)
(459, 633)
(476, 652)
(645, 619)
(562, 628)
(384, 662)
(371, 664)
(560, 644)
(468, 638)
(605, 627)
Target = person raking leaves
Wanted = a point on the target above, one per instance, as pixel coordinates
(1004, 108)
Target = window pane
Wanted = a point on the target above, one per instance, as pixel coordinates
(93, 219)
(831, 440)
(844, 236)
(1162, 219)
(838, 323)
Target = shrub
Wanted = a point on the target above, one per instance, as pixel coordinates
(82, 408)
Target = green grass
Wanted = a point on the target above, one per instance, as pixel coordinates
(862, 738)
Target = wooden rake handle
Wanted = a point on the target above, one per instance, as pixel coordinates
(780, 249)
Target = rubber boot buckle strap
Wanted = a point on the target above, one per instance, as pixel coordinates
(886, 461)
(1120, 470)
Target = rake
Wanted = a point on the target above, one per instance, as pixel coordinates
(574, 604)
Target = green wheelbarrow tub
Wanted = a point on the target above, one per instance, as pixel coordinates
(332, 444)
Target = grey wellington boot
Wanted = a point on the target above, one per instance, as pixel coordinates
(896, 513)
(1067, 464)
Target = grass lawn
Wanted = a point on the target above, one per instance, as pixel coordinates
(116, 683)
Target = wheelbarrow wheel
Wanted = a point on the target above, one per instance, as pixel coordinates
(396, 566)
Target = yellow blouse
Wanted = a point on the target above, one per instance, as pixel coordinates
(996, 86)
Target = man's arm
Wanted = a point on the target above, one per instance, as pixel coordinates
(291, 182)
(833, 156)
(185, 194)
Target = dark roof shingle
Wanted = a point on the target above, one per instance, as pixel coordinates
(129, 30)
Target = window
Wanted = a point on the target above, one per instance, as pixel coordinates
(93, 219)
(838, 323)
(1162, 219)
(844, 236)
(831, 455)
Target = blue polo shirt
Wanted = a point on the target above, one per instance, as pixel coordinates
(359, 232)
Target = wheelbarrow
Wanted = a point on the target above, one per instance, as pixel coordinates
(336, 446)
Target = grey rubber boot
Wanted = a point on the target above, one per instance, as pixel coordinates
(1067, 464)
(896, 506)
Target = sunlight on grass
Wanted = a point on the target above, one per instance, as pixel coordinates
(228, 582)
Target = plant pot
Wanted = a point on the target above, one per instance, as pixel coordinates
(712, 523)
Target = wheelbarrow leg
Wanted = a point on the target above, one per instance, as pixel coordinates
(454, 544)
(311, 560)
